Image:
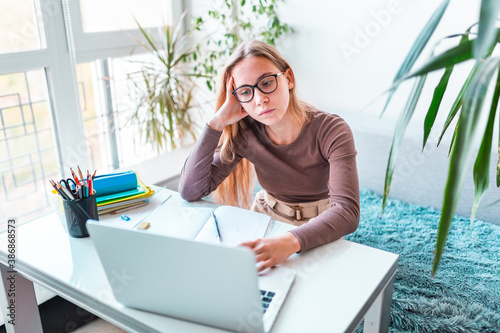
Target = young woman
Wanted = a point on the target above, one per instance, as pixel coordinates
(304, 159)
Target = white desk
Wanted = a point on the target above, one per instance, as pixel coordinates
(337, 285)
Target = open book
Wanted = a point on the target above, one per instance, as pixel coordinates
(236, 225)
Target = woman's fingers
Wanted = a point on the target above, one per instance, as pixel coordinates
(230, 87)
(266, 264)
(262, 257)
(250, 244)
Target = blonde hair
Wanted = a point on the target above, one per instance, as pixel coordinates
(236, 189)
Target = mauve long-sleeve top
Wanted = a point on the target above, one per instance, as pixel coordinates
(319, 164)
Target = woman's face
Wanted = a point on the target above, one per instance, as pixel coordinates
(268, 109)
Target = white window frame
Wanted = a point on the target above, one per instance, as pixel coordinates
(92, 45)
(59, 57)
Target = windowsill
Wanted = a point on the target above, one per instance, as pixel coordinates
(164, 168)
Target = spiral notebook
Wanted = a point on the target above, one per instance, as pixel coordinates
(236, 225)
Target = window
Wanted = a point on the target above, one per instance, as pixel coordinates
(19, 27)
(107, 101)
(98, 15)
(64, 99)
(27, 154)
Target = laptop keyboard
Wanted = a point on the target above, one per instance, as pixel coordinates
(266, 298)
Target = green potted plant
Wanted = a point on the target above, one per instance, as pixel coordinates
(231, 22)
(475, 123)
(165, 87)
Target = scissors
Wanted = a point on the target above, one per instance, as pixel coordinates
(66, 183)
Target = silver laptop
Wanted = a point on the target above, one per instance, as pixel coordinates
(211, 284)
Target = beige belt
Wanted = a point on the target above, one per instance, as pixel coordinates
(298, 211)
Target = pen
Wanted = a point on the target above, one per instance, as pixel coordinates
(217, 232)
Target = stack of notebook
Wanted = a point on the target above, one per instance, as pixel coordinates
(120, 191)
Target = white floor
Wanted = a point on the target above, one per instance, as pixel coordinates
(98, 326)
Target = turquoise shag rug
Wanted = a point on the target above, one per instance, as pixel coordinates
(465, 294)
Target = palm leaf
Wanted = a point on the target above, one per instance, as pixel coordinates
(151, 44)
(472, 125)
(482, 165)
(417, 47)
(438, 95)
(401, 125)
(454, 138)
(453, 56)
(486, 30)
(435, 103)
(458, 101)
(498, 161)
(462, 52)
(457, 104)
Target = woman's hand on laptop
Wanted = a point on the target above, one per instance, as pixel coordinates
(272, 251)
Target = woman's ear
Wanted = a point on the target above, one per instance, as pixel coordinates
(290, 78)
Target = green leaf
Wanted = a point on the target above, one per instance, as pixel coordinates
(418, 46)
(453, 56)
(472, 125)
(402, 124)
(458, 101)
(494, 105)
(486, 30)
(454, 138)
(151, 43)
(498, 161)
(457, 104)
(482, 165)
(243, 3)
(438, 96)
(435, 103)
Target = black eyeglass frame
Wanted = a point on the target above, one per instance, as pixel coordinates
(257, 86)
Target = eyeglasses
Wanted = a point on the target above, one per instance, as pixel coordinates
(266, 85)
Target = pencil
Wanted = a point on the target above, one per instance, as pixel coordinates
(53, 183)
(80, 172)
(90, 186)
(75, 177)
(94, 174)
(61, 190)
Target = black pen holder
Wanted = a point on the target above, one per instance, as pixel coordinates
(77, 213)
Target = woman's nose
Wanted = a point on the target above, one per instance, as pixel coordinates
(260, 97)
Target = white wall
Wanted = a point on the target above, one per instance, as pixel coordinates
(346, 53)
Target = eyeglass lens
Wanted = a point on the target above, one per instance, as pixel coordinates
(267, 85)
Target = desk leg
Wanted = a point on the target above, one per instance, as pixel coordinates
(27, 316)
(378, 317)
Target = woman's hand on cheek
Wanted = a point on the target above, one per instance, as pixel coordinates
(230, 112)
(273, 251)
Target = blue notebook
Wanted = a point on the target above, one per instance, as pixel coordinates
(114, 183)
